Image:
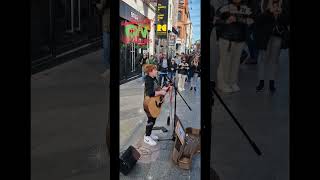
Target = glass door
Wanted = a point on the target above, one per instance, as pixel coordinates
(133, 61)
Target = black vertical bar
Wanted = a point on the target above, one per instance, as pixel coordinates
(51, 27)
(205, 90)
(114, 89)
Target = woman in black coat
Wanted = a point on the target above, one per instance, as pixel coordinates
(271, 37)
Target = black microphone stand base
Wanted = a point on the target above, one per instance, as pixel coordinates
(169, 139)
(163, 129)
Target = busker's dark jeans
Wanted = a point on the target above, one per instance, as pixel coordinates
(150, 123)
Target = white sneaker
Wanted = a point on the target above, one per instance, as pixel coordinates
(149, 140)
(179, 89)
(235, 88)
(226, 89)
(154, 137)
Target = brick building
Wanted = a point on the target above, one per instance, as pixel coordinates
(183, 22)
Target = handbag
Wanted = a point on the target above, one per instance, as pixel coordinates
(285, 43)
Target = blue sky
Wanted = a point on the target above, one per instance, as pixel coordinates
(194, 7)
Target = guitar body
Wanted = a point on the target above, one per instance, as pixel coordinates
(152, 105)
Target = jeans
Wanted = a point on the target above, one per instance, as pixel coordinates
(194, 80)
(150, 123)
(162, 76)
(106, 49)
(269, 59)
(171, 75)
(189, 75)
(254, 52)
(143, 74)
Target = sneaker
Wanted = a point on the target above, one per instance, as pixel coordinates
(154, 137)
(179, 89)
(148, 140)
(195, 89)
(235, 88)
(191, 88)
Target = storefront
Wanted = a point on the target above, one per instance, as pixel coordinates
(134, 41)
(61, 26)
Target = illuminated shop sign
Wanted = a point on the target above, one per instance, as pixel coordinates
(136, 32)
(135, 27)
(162, 17)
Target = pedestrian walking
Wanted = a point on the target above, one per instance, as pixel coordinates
(172, 69)
(272, 33)
(195, 68)
(232, 23)
(182, 74)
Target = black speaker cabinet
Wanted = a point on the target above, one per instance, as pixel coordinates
(128, 159)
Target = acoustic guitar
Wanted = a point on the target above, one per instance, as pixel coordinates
(152, 105)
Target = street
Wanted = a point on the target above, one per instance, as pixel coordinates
(68, 119)
(265, 117)
(156, 162)
(69, 105)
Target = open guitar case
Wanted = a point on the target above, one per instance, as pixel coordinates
(185, 149)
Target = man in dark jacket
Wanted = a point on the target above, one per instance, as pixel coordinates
(163, 68)
(172, 69)
(232, 21)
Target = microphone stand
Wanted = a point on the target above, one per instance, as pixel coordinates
(252, 143)
(173, 138)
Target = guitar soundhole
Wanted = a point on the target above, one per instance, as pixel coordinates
(158, 104)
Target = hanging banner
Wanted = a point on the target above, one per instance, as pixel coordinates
(162, 19)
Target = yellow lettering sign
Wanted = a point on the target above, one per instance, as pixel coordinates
(162, 27)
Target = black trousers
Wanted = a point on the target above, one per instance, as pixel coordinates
(150, 124)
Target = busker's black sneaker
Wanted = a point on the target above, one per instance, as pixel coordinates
(260, 85)
(272, 88)
(195, 89)
(191, 89)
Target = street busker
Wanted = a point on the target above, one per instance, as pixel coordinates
(151, 89)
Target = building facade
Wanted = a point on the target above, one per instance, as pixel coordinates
(59, 28)
(137, 36)
(183, 23)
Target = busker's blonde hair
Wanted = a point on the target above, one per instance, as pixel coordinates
(149, 67)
